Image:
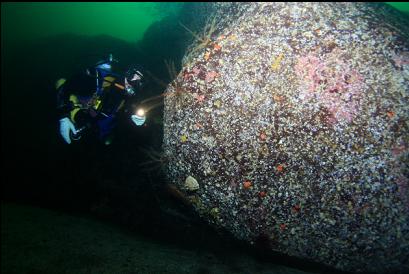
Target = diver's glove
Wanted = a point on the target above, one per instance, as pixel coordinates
(138, 120)
(65, 127)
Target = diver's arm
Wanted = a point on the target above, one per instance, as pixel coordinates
(65, 107)
(64, 110)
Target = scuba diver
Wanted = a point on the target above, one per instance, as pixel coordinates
(90, 101)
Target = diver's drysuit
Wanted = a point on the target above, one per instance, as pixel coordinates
(90, 101)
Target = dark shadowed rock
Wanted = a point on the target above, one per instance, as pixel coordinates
(292, 118)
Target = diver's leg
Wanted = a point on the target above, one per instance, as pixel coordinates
(106, 126)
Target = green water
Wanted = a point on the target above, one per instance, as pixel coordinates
(124, 20)
(402, 6)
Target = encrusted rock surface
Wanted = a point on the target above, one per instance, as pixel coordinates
(293, 118)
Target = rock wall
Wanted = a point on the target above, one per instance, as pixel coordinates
(290, 124)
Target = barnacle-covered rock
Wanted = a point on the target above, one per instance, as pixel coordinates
(309, 103)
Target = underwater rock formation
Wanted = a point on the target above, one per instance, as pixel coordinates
(293, 119)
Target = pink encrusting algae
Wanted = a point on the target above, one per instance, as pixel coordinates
(332, 82)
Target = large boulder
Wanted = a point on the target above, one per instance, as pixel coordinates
(291, 122)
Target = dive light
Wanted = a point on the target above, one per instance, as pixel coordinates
(140, 112)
